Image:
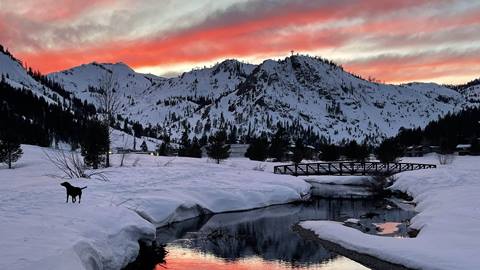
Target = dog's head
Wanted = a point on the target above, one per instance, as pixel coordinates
(65, 184)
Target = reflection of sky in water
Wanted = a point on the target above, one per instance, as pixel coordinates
(387, 227)
(264, 239)
(180, 258)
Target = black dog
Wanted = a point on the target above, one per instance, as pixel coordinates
(73, 191)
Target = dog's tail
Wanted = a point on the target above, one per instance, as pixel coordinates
(83, 187)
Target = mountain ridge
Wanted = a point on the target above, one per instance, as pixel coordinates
(309, 91)
(303, 93)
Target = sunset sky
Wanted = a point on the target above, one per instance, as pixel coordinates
(393, 41)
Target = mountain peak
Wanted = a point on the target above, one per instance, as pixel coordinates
(114, 67)
(233, 66)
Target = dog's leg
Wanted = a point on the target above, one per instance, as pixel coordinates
(74, 199)
(67, 198)
(79, 197)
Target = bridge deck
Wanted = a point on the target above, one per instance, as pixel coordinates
(349, 168)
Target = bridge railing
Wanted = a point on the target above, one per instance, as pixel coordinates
(349, 168)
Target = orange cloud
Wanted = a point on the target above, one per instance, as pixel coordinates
(257, 36)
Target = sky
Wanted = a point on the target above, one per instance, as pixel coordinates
(391, 41)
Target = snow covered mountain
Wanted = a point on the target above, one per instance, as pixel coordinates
(153, 100)
(13, 72)
(298, 91)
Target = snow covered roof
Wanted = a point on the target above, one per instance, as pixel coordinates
(463, 146)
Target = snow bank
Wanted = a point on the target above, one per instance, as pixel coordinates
(449, 210)
(39, 230)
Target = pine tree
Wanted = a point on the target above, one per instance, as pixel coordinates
(163, 149)
(95, 144)
(258, 149)
(351, 150)
(184, 144)
(195, 149)
(298, 152)
(144, 146)
(330, 152)
(217, 148)
(389, 150)
(203, 140)
(356, 152)
(279, 144)
(447, 146)
(232, 137)
(10, 150)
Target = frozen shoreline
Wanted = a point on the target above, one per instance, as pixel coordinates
(39, 230)
(448, 206)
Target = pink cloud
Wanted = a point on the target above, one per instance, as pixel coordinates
(260, 30)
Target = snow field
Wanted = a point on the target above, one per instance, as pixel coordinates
(39, 230)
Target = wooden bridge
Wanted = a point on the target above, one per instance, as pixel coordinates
(349, 168)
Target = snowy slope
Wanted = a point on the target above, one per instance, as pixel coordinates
(150, 99)
(14, 74)
(12, 71)
(472, 92)
(307, 91)
(333, 102)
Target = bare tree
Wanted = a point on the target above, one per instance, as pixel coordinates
(108, 102)
(71, 165)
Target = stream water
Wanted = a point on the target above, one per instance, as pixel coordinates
(264, 239)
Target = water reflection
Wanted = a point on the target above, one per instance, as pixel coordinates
(388, 228)
(263, 238)
(180, 258)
